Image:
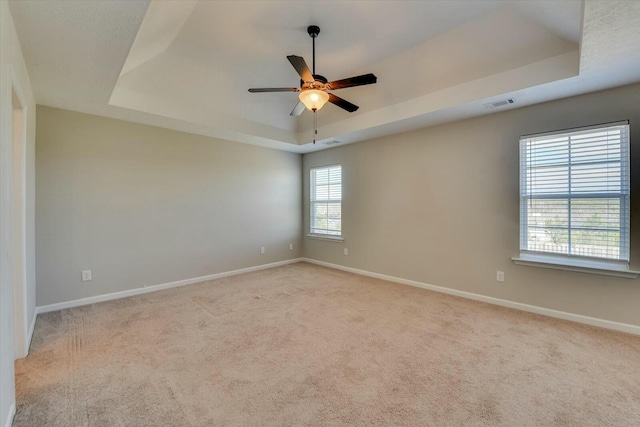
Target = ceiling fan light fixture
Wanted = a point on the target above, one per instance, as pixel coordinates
(314, 99)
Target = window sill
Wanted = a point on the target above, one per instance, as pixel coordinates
(579, 265)
(327, 237)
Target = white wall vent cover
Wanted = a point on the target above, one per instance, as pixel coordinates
(500, 103)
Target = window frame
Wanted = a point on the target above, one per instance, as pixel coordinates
(312, 201)
(615, 266)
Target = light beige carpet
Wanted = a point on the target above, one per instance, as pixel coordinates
(307, 345)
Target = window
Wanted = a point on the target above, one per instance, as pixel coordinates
(574, 195)
(326, 201)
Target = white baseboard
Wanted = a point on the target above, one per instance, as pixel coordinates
(608, 324)
(593, 321)
(12, 413)
(154, 288)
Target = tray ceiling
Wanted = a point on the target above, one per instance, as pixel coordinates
(187, 65)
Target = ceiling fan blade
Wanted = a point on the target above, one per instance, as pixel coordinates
(365, 79)
(344, 104)
(301, 67)
(298, 109)
(274, 89)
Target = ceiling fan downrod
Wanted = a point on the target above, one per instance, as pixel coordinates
(313, 31)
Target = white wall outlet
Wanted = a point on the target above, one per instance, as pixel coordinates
(290, 246)
(262, 250)
(346, 251)
(500, 276)
(86, 275)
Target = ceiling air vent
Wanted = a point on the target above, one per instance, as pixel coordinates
(501, 103)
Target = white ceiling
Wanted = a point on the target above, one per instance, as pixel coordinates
(187, 64)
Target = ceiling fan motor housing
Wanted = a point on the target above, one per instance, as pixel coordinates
(319, 82)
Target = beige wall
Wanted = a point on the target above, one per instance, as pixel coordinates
(140, 205)
(13, 74)
(440, 206)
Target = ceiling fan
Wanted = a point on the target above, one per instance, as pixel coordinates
(314, 88)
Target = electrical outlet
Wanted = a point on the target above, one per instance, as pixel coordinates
(290, 246)
(262, 250)
(346, 251)
(500, 276)
(86, 275)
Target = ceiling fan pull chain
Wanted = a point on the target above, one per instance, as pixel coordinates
(315, 126)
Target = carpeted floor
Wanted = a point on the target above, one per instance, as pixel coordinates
(307, 345)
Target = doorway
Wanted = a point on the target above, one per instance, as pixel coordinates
(18, 223)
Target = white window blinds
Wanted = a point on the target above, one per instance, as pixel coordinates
(326, 200)
(574, 192)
